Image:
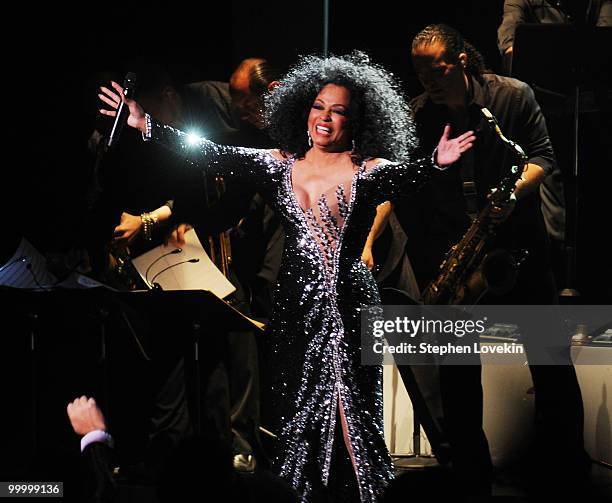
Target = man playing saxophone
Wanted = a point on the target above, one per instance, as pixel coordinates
(457, 88)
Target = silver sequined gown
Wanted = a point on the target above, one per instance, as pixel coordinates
(314, 334)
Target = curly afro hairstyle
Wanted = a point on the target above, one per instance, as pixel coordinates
(379, 117)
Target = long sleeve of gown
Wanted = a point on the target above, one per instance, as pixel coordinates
(393, 179)
(247, 165)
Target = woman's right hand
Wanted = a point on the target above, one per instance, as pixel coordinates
(136, 118)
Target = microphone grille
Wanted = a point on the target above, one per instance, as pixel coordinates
(129, 83)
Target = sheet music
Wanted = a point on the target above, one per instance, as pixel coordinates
(27, 268)
(189, 269)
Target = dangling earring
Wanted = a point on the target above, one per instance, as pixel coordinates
(309, 138)
(354, 146)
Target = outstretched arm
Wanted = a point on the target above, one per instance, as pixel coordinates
(400, 178)
(246, 164)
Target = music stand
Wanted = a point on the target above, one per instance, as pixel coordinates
(206, 312)
(116, 346)
(564, 60)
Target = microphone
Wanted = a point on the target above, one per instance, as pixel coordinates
(176, 250)
(129, 87)
(190, 261)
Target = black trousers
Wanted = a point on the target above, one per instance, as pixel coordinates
(559, 414)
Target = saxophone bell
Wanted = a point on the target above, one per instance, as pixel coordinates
(496, 275)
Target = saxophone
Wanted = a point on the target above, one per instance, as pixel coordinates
(469, 270)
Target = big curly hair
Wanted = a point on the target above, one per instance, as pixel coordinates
(379, 116)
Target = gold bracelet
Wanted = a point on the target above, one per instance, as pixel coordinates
(149, 221)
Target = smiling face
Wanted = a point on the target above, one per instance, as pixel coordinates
(328, 121)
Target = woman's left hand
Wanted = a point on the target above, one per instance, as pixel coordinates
(449, 151)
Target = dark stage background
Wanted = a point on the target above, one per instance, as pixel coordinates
(60, 58)
(56, 58)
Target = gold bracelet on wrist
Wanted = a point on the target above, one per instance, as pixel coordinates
(149, 221)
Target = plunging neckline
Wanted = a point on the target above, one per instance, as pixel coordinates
(327, 260)
(296, 202)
